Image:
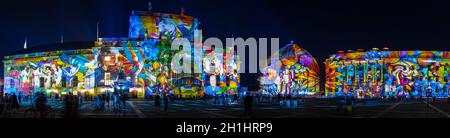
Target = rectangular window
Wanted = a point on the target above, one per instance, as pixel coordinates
(107, 78)
(11, 83)
(107, 58)
(41, 82)
(75, 82)
(86, 82)
(63, 81)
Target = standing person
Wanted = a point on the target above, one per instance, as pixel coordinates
(273, 98)
(157, 103)
(124, 100)
(80, 99)
(166, 103)
(279, 99)
(58, 97)
(260, 97)
(33, 97)
(75, 107)
(68, 103)
(97, 102)
(20, 98)
(1, 103)
(115, 99)
(448, 90)
(204, 98)
(14, 103)
(288, 101)
(248, 100)
(1, 93)
(52, 98)
(295, 100)
(108, 98)
(6, 101)
(85, 96)
(40, 105)
(102, 102)
(235, 98)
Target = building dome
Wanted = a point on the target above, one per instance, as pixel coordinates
(298, 73)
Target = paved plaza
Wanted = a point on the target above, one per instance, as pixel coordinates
(307, 108)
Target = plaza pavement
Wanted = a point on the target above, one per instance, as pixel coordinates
(308, 108)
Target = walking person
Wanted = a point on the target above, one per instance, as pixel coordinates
(115, 99)
(14, 104)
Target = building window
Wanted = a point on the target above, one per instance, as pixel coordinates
(64, 81)
(107, 78)
(41, 82)
(86, 82)
(75, 82)
(11, 83)
(107, 58)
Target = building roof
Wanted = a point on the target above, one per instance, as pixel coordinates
(55, 47)
(160, 14)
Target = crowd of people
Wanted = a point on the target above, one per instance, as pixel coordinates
(115, 102)
(9, 102)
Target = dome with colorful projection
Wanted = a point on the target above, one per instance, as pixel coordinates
(298, 73)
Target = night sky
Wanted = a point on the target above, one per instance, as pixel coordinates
(321, 27)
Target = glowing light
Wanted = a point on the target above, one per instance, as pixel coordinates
(429, 61)
(107, 58)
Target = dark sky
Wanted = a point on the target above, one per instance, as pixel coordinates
(321, 27)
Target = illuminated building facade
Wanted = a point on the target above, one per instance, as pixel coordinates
(384, 73)
(299, 73)
(220, 74)
(140, 64)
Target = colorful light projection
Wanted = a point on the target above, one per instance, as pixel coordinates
(378, 73)
(298, 73)
(139, 64)
(221, 73)
(145, 57)
(187, 84)
(55, 71)
(161, 26)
